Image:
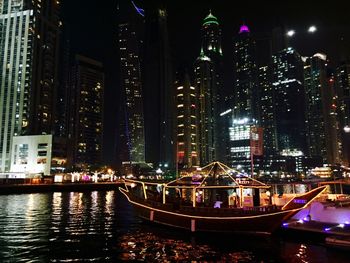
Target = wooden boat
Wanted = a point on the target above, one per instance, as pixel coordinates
(213, 199)
(341, 242)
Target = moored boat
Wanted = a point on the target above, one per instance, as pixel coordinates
(213, 199)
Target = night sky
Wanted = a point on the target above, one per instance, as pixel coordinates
(93, 32)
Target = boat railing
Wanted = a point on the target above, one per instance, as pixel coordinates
(229, 211)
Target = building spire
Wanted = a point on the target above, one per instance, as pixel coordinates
(210, 19)
(244, 29)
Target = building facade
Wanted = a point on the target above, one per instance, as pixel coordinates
(240, 157)
(289, 102)
(321, 121)
(246, 95)
(208, 70)
(342, 82)
(158, 91)
(86, 123)
(31, 154)
(133, 121)
(187, 125)
(29, 44)
(267, 111)
(204, 83)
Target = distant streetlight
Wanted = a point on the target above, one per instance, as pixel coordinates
(347, 129)
(312, 29)
(291, 33)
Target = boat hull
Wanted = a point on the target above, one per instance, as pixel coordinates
(199, 221)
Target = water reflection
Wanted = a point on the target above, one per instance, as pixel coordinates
(149, 247)
(102, 227)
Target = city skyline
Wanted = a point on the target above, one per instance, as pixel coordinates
(247, 41)
(185, 36)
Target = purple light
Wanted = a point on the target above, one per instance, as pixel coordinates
(244, 29)
(327, 229)
(138, 9)
(285, 224)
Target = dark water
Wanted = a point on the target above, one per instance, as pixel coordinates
(101, 227)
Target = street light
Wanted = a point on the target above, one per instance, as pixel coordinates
(347, 129)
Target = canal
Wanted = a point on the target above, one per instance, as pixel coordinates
(100, 226)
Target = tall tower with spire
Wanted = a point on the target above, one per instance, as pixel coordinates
(209, 84)
(211, 36)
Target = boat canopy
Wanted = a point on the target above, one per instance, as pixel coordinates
(216, 175)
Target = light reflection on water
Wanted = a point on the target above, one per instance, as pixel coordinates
(101, 226)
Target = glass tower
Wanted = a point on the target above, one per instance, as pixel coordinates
(342, 79)
(289, 97)
(132, 92)
(245, 75)
(321, 124)
(209, 84)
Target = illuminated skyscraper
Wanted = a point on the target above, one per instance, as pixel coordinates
(343, 91)
(187, 126)
(289, 100)
(267, 111)
(240, 143)
(133, 129)
(205, 81)
(209, 84)
(245, 75)
(29, 37)
(211, 36)
(86, 123)
(158, 88)
(321, 123)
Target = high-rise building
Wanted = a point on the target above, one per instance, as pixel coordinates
(267, 111)
(342, 79)
(211, 36)
(63, 92)
(86, 123)
(321, 123)
(209, 84)
(29, 40)
(289, 102)
(278, 39)
(240, 143)
(187, 125)
(245, 76)
(158, 91)
(46, 54)
(133, 130)
(207, 111)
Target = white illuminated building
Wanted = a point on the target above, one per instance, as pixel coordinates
(15, 70)
(31, 154)
(240, 142)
